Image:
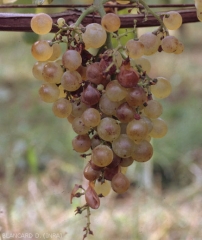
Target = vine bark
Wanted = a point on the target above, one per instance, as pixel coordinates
(21, 22)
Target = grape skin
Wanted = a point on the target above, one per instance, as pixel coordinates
(62, 92)
(41, 50)
(151, 43)
(93, 73)
(91, 117)
(123, 146)
(56, 52)
(103, 188)
(144, 63)
(180, 48)
(137, 130)
(125, 113)
(111, 22)
(38, 69)
(115, 92)
(160, 128)
(62, 108)
(135, 49)
(79, 127)
(162, 88)
(60, 22)
(169, 44)
(172, 20)
(71, 60)
(153, 109)
(41, 23)
(108, 107)
(142, 152)
(71, 81)
(94, 36)
(95, 141)
(78, 108)
(102, 155)
(49, 92)
(108, 129)
(81, 143)
(90, 173)
(198, 4)
(126, 162)
(120, 183)
(136, 96)
(52, 72)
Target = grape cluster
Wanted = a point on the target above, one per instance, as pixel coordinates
(107, 96)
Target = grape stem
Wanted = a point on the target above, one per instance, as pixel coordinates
(96, 7)
(87, 228)
(84, 14)
(149, 10)
(146, 79)
(100, 9)
(124, 34)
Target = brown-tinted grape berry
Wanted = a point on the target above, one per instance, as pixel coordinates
(126, 162)
(125, 113)
(93, 73)
(109, 173)
(108, 129)
(95, 141)
(108, 107)
(115, 162)
(127, 77)
(104, 64)
(95, 167)
(102, 155)
(90, 96)
(78, 108)
(123, 146)
(142, 152)
(89, 173)
(120, 183)
(81, 143)
(136, 96)
(137, 130)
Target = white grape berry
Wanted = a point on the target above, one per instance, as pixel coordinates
(41, 50)
(169, 44)
(151, 43)
(41, 23)
(95, 36)
(135, 49)
(111, 22)
(71, 60)
(172, 20)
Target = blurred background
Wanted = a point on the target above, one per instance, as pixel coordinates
(38, 167)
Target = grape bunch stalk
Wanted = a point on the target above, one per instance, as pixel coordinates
(105, 92)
